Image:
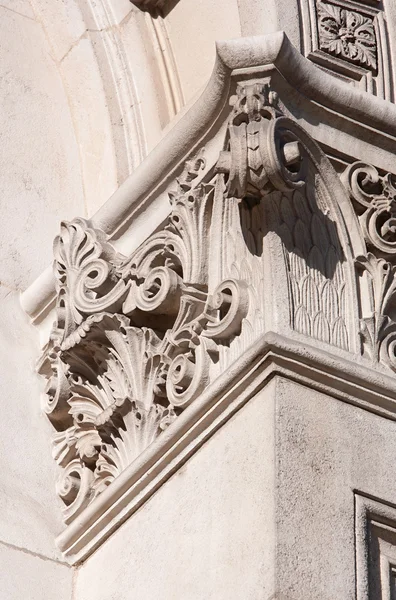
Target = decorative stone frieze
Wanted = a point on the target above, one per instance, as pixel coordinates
(377, 325)
(374, 196)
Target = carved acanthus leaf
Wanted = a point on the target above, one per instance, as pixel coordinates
(134, 339)
(139, 338)
(87, 283)
(378, 325)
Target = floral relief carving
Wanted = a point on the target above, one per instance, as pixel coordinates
(132, 344)
(347, 34)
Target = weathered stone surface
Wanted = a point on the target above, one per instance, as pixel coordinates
(25, 575)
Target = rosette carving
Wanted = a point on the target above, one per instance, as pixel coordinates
(347, 34)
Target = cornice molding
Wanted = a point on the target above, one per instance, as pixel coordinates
(234, 58)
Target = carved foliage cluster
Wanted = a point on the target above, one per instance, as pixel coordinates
(347, 34)
(133, 341)
(137, 338)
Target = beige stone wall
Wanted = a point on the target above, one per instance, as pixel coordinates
(268, 504)
(208, 532)
(40, 182)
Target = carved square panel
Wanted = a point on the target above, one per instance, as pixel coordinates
(347, 34)
(349, 39)
(375, 549)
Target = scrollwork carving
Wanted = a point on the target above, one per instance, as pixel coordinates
(75, 489)
(374, 196)
(134, 339)
(138, 338)
(85, 265)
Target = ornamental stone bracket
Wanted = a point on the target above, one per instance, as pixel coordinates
(250, 243)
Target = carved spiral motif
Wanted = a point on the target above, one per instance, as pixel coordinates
(160, 293)
(265, 151)
(91, 295)
(282, 155)
(388, 350)
(264, 155)
(231, 301)
(375, 200)
(86, 282)
(57, 392)
(188, 376)
(74, 488)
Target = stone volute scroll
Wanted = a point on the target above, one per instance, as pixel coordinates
(266, 261)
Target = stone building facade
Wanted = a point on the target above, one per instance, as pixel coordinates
(198, 299)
